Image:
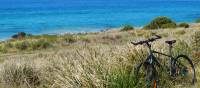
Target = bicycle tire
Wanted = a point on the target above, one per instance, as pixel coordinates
(181, 69)
(144, 76)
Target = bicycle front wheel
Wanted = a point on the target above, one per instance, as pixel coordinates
(145, 76)
(183, 70)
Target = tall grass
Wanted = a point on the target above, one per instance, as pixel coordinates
(107, 61)
(19, 74)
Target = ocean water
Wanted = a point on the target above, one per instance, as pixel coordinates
(60, 16)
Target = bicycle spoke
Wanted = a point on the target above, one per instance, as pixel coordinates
(184, 71)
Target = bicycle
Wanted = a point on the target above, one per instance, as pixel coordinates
(180, 68)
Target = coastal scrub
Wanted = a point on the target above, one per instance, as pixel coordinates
(127, 28)
(184, 25)
(161, 22)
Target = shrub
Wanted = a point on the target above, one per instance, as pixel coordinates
(184, 25)
(69, 38)
(127, 28)
(20, 35)
(3, 49)
(14, 36)
(50, 38)
(169, 25)
(41, 44)
(198, 20)
(161, 22)
(22, 45)
(8, 44)
(14, 74)
(84, 38)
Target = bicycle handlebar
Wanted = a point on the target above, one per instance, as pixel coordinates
(147, 41)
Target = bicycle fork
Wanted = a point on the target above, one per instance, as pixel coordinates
(152, 77)
(151, 71)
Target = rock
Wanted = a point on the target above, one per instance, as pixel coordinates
(20, 35)
(15, 36)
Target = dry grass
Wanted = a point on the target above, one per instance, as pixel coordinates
(96, 60)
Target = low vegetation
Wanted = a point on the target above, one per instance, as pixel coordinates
(184, 25)
(127, 28)
(198, 20)
(89, 60)
(17, 75)
(161, 22)
(24, 45)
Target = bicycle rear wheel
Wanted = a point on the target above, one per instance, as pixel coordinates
(145, 76)
(183, 70)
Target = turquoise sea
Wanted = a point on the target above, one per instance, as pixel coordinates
(60, 16)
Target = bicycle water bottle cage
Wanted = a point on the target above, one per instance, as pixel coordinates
(146, 64)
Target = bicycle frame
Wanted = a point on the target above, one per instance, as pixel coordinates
(152, 58)
(153, 64)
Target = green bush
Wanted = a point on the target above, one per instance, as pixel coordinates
(69, 38)
(8, 45)
(169, 25)
(22, 45)
(127, 28)
(84, 38)
(198, 20)
(184, 25)
(3, 49)
(161, 22)
(41, 44)
(50, 38)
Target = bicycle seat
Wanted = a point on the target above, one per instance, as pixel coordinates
(170, 42)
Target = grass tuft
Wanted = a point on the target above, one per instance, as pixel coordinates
(23, 74)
